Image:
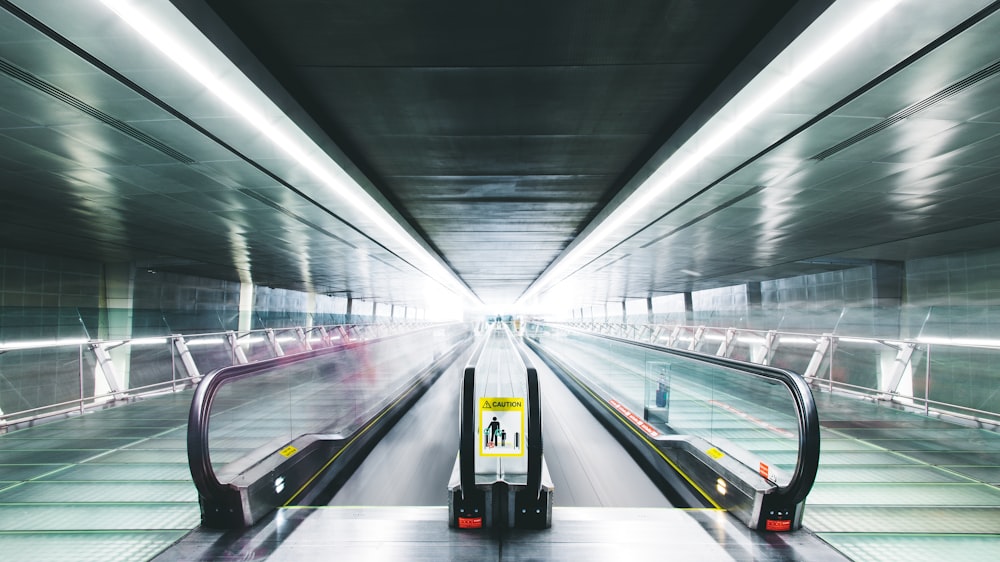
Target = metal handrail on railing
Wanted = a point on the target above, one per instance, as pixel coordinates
(184, 370)
(823, 349)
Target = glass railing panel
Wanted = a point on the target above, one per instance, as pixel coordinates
(904, 369)
(747, 416)
(256, 347)
(252, 418)
(959, 378)
(974, 322)
(741, 350)
(289, 341)
(210, 351)
(856, 365)
(38, 379)
(152, 362)
(331, 393)
(793, 352)
(750, 418)
(315, 338)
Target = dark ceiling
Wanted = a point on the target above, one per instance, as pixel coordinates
(499, 129)
(499, 133)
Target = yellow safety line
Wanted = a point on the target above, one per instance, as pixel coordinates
(642, 436)
(344, 448)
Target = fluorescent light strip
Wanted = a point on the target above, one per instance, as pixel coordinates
(797, 340)
(137, 341)
(671, 172)
(36, 344)
(866, 341)
(960, 342)
(178, 52)
(196, 342)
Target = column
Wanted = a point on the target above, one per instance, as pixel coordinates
(116, 323)
(755, 302)
(888, 278)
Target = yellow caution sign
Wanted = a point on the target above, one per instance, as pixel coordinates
(288, 451)
(501, 426)
(715, 453)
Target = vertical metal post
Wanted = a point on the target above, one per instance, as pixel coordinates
(927, 383)
(173, 367)
(696, 339)
(80, 371)
(107, 369)
(833, 353)
(674, 335)
(655, 335)
(823, 345)
(186, 359)
(726, 347)
(273, 340)
(304, 338)
(238, 356)
(770, 345)
(900, 366)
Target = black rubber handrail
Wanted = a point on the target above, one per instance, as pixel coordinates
(534, 430)
(467, 415)
(807, 462)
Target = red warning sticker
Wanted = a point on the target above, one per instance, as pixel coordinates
(764, 469)
(778, 525)
(470, 522)
(639, 422)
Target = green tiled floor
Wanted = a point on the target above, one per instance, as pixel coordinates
(116, 491)
(86, 546)
(914, 488)
(108, 485)
(905, 494)
(918, 548)
(901, 519)
(72, 517)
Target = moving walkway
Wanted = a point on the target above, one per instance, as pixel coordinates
(500, 477)
(257, 415)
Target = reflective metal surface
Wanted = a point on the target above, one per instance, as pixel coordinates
(498, 133)
(408, 533)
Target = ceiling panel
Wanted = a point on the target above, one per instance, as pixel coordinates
(498, 132)
(525, 119)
